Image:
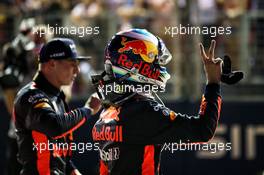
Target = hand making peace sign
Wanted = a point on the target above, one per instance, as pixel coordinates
(212, 65)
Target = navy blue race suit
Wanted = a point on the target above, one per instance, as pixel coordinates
(44, 126)
(130, 136)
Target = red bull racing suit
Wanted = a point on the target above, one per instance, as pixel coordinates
(130, 136)
(44, 127)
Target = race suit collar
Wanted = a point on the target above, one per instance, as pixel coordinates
(43, 84)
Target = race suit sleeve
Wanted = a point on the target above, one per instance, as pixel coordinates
(40, 116)
(159, 124)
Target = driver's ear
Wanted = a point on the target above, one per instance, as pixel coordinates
(51, 65)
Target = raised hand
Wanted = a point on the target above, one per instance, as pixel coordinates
(212, 65)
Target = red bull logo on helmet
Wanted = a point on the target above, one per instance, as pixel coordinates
(142, 67)
(145, 49)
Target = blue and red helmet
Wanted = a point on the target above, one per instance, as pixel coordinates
(139, 54)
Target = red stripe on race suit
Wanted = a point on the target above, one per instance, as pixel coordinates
(43, 156)
(103, 168)
(148, 165)
(71, 130)
(203, 107)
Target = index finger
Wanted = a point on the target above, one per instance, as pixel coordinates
(202, 52)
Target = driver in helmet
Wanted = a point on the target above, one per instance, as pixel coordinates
(135, 123)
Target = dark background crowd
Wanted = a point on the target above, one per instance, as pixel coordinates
(244, 44)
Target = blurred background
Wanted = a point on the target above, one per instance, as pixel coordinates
(242, 121)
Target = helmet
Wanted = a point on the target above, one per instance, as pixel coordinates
(132, 57)
(136, 56)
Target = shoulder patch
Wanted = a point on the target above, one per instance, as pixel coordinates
(42, 105)
(35, 97)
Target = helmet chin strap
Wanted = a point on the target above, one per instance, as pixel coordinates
(159, 98)
(121, 101)
(145, 94)
(107, 78)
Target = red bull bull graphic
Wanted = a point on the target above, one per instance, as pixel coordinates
(144, 48)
